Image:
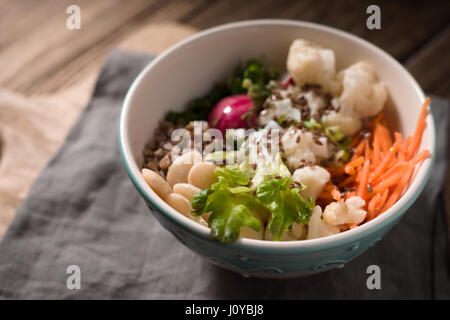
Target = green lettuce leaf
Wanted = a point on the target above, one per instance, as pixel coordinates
(286, 205)
(234, 203)
(268, 169)
(231, 203)
(234, 174)
(229, 213)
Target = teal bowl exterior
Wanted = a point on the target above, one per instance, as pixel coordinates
(271, 259)
(274, 262)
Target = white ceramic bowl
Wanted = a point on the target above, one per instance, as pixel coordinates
(191, 67)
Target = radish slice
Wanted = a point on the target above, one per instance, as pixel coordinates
(233, 112)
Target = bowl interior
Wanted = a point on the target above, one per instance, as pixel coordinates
(190, 69)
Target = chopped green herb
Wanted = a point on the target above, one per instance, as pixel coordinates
(334, 133)
(251, 78)
(312, 125)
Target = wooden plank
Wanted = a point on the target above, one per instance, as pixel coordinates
(91, 58)
(53, 57)
(20, 17)
(51, 45)
(405, 25)
(430, 64)
(65, 59)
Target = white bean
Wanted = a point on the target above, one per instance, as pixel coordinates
(180, 204)
(183, 205)
(202, 175)
(157, 183)
(179, 170)
(185, 189)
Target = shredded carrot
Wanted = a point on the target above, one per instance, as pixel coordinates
(360, 148)
(336, 194)
(355, 141)
(336, 171)
(374, 206)
(376, 154)
(385, 138)
(356, 162)
(421, 156)
(379, 205)
(398, 190)
(346, 182)
(349, 195)
(384, 163)
(398, 137)
(367, 150)
(399, 167)
(421, 123)
(376, 120)
(362, 188)
(391, 180)
(380, 168)
(350, 170)
(325, 196)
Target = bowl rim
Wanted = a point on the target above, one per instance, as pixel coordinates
(392, 214)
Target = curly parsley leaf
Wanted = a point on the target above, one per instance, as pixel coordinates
(251, 78)
(199, 108)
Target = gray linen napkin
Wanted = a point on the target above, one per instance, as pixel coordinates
(84, 211)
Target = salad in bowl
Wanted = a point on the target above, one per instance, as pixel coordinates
(278, 155)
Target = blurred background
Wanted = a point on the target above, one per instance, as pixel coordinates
(48, 71)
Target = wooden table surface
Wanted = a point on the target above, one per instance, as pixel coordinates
(45, 65)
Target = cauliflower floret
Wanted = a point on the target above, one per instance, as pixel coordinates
(289, 91)
(296, 147)
(348, 124)
(300, 146)
(320, 150)
(345, 119)
(317, 228)
(348, 212)
(266, 116)
(279, 109)
(283, 108)
(309, 63)
(361, 91)
(314, 178)
(315, 102)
